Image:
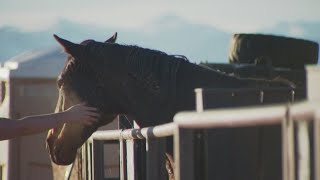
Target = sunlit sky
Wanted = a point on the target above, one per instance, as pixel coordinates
(227, 15)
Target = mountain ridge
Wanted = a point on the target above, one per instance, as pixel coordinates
(170, 34)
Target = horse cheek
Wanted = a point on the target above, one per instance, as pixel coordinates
(71, 132)
(53, 134)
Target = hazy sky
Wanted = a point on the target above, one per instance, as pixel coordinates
(232, 16)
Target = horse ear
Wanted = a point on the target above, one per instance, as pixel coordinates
(69, 47)
(112, 39)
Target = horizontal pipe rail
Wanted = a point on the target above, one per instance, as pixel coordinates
(233, 117)
(144, 133)
(244, 117)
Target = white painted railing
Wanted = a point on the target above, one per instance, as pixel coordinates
(288, 116)
(128, 134)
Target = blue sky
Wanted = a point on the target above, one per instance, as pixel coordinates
(226, 15)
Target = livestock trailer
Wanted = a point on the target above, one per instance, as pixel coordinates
(28, 87)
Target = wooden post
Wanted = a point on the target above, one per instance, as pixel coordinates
(156, 158)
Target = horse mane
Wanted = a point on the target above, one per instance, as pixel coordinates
(153, 74)
(152, 69)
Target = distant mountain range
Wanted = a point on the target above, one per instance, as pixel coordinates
(170, 34)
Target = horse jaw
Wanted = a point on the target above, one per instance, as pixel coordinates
(63, 142)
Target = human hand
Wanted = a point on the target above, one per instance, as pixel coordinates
(81, 113)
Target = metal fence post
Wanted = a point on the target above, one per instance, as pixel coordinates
(123, 160)
(86, 161)
(303, 150)
(184, 154)
(288, 160)
(130, 151)
(316, 139)
(90, 161)
(313, 86)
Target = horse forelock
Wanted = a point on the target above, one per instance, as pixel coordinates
(85, 42)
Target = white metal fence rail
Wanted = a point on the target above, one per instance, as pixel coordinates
(155, 146)
(298, 114)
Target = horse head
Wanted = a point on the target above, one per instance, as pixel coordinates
(79, 82)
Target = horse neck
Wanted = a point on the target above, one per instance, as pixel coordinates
(191, 76)
(115, 76)
(142, 90)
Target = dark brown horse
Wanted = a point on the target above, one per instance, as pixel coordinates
(149, 85)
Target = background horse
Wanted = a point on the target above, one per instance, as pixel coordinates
(148, 85)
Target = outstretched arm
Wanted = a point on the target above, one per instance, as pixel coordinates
(39, 123)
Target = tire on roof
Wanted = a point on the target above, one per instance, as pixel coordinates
(277, 51)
